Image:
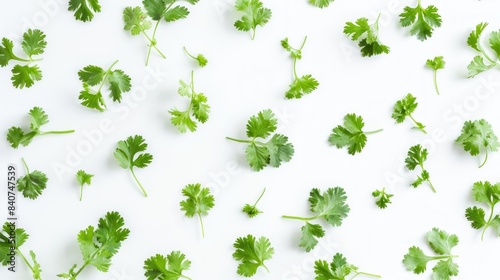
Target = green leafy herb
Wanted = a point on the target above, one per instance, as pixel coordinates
(252, 210)
(198, 108)
(201, 59)
(252, 253)
(441, 243)
(422, 20)
(99, 245)
(171, 267)
(367, 35)
(300, 85)
(254, 15)
(436, 64)
(11, 240)
(416, 157)
(33, 44)
(273, 152)
(404, 108)
(331, 206)
(33, 183)
(338, 269)
(199, 201)
(83, 178)
(351, 134)
(489, 194)
(320, 3)
(383, 198)
(126, 156)
(117, 81)
(478, 64)
(477, 135)
(84, 9)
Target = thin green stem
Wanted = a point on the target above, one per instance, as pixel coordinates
(366, 274)
(262, 194)
(443, 257)
(138, 182)
(435, 82)
(420, 2)
(485, 54)
(81, 192)
(265, 267)
(104, 80)
(57, 132)
(373, 132)
(299, 218)
(419, 125)
(26, 261)
(185, 50)
(485, 158)
(153, 42)
(488, 223)
(185, 277)
(25, 166)
(432, 186)
(201, 223)
(254, 32)
(295, 69)
(192, 82)
(246, 141)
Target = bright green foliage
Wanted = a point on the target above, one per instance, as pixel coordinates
(441, 243)
(33, 183)
(254, 14)
(478, 64)
(33, 44)
(436, 64)
(9, 244)
(198, 108)
(477, 135)
(252, 253)
(200, 58)
(275, 151)
(487, 193)
(351, 134)
(126, 156)
(99, 245)
(198, 202)
(171, 267)
(252, 210)
(117, 81)
(338, 269)
(367, 36)
(84, 9)
(83, 178)
(383, 198)
(320, 3)
(422, 20)
(416, 157)
(404, 108)
(331, 206)
(300, 85)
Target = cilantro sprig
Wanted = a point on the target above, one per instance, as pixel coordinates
(300, 85)
(252, 210)
(486, 193)
(252, 253)
(478, 64)
(367, 35)
(83, 178)
(198, 202)
(476, 136)
(405, 108)
(338, 269)
(422, 20)
(435, 64)
(84, 9)
(198, 108)
(26, 74)
(254, 14)
(275, 151)
(117, 81)
(99, 245)
(200, 58)
(17, 136)
(172, 266)
(331, 206)
(441, 243)
(33, 183)
(321, 3)
(417, 155)
(382, 198)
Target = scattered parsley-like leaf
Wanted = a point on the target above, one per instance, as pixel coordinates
(198, 202)
(275, 151)
(436, 64)
(159, 267)
(367, 35)
(404, 108)
(416, 157)
(252, 253)
(422, 20)
(351, 134)
(252, 210)
(331, 205)
(33, 44)
(83, 178)
(254, 15)
(198, 108)
(117, 81)
(476, 136)
(33, 183)
(300, 85)
(478, 64)
(441, 243)
(487, 193)
(126, 156)
(338, 269)
(99, 245)
(383, 198)
(200, 58)
(84, 9)
(320, 3)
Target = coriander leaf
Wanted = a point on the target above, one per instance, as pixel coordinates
(126, 153)
(252, 253)
(6, 52)
(404, 108)
(486, 193)
(383, 198)
(84, 9)
(478, 65)
(155, 8)
(262, 125)
(252, 210)
(32, 184)
(416, 157)
(92, 99)
(320, 3)
(92, 75)
(200, 58)
(135, 20)
(254, 15)
(33, 42)
(477, 135)
(474, 38)
(422, 20)
(351, 134)
(175, 13)
(25, 75)
(367, 35)
(199, 201)
(119, 82)
(169, 267)
(339, 269)
(310, 235)
(83, 178)
(436, 64)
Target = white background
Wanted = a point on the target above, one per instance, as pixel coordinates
(242, 78)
